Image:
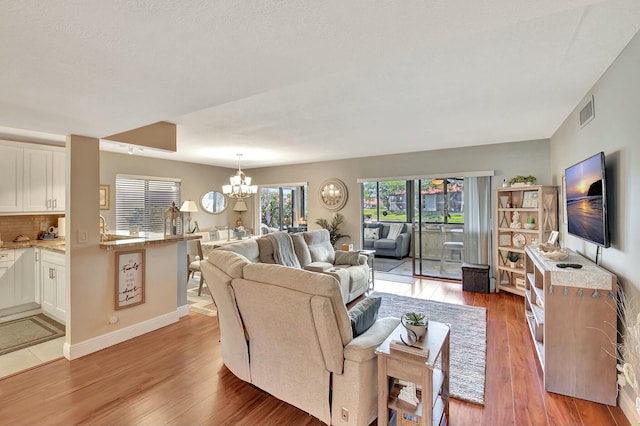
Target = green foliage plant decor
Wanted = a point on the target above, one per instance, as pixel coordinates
(531, 219)
(333, 227)
(522, 179)
(414, 318)
(513, 257)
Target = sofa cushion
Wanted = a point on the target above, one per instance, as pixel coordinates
(364, 314)
(248, 248)
(384, 243)
(372, 233)
(347, 257)
(318, 266)
(319, 246)
(266, 250)
(394, 230)
(301, 249)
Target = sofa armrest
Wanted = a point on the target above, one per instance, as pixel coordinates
(363, 347)
(403, 242)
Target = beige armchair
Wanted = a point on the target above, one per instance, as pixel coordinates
(287, 331)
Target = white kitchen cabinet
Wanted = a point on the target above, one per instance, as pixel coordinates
(25, 276)
(58, 181)
(17, 277)
(7, 279)
(54, 288)
(11, 175)
(44, 171)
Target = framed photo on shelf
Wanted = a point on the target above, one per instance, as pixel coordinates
(104, 197)
(553, 237)
(530, 199)
(129, 279)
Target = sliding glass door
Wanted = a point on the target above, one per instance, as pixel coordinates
(438, 227)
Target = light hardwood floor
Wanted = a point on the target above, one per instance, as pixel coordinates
(175, 375)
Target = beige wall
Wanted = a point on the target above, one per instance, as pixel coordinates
(615, 131)
(91, 270)
(197, 179)
(505, 159)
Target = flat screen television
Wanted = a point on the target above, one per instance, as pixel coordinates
(587, 200)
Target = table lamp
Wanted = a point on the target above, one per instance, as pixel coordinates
(189, 206)
(240, 207)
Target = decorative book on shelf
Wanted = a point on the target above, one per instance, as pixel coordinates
(408, 395)
(415, 352)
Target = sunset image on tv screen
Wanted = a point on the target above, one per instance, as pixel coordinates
(585, 203)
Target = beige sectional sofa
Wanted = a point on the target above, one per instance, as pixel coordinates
(287, 331)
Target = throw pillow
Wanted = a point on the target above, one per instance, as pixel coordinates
(301, 249)
(364, 314)
(347, 258)
(394, 230)
(372, 233)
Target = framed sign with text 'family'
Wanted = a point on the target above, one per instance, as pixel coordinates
(129, 278)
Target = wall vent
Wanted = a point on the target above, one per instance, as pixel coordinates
(587, 113)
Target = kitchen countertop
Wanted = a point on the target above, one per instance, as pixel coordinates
(55, 244)
(124, 240)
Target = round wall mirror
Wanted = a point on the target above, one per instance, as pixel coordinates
(333, 194)
(213, 202)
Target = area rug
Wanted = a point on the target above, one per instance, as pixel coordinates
(384, 264)
(28, 331)
(202, 304)
(468, 340)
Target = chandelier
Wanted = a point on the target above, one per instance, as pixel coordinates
(239, 184)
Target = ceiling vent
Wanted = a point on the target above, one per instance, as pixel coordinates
(587, 113)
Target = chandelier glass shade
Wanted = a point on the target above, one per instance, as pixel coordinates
(239, 185)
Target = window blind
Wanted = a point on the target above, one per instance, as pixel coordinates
(142, 201)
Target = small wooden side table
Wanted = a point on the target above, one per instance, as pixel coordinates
(371, 255)
(434, 398)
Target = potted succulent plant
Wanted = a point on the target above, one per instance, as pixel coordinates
(531, 223)
(416, 325)
(512, 258)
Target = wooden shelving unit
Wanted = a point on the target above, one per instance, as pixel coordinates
(572, 319)
(514, 206)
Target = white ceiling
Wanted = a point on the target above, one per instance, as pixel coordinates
(299, 81)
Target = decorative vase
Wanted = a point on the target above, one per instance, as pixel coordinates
(529, 226)
(512, 264)
(419, 330)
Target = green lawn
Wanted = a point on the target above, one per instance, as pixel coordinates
(432, 217)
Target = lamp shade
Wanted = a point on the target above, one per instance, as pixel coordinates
(240, 206)
(189, 206)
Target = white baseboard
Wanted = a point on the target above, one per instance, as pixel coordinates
(101, 342)
(628, 407)
(183, 310)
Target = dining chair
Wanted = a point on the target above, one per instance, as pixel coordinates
(451, 246)
(194, 257)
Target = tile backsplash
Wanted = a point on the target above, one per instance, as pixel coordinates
(27, 225)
